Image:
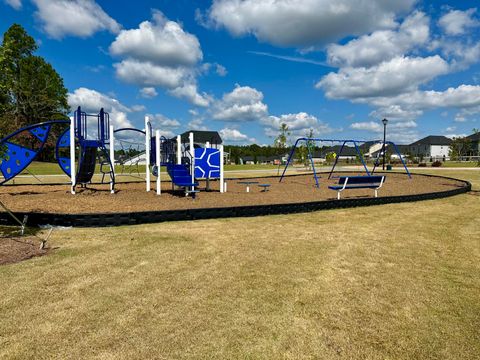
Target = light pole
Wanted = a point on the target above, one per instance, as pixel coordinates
(384, 121)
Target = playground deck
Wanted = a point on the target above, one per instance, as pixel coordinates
(131, 197)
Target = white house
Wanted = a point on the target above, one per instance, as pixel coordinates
(431, 147)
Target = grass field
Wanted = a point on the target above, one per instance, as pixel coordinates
(43, 168)
(398, 281)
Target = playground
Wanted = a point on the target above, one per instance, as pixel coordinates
(132, 197)
(385, 281)
(397, 281)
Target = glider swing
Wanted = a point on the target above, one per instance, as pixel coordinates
(310, 141)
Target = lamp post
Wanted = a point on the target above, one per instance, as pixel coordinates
(384, 121)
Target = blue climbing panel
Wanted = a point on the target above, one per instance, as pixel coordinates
(17, 157)
(207, 163)
(41, 132)
(15, 160)
(62, 143)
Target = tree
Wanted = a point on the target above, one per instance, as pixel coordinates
(31, 91)
(459, 147)
(281, 139)
(304, 149)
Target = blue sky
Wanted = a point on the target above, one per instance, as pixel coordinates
(243, 67)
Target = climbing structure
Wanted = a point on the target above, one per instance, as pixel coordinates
(22, 147)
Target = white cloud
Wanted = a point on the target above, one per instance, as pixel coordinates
(463, 96)
(393, 77)
(395, 112)
(233, 135)
(369, 50)
(82, 18)
(457, 22)
(242, 104)
(138, 108)
(302, 23)
(161, 42)
(159, 53)
(161, 122)
(298, 124)
(148, 92)
(462, 53)
(16, 4)
(367, 125)
(148, 74)
(190, 92)
(197, 124)
(451, 128)
(220, 70)
(92, 101)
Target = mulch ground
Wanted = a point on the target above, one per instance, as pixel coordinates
(14, 249)
(132, 197)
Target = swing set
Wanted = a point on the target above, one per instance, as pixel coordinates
(311, 141)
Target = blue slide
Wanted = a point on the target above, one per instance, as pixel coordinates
(180, 175)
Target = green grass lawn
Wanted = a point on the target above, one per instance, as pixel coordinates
(44, 168)
(398, 281)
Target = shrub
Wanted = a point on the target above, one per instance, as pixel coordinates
(422, 165)
(437, 164)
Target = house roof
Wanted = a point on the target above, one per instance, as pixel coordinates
(474, 137)
(433, 140)
(213, 137)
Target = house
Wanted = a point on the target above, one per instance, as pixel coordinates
(348, 153)
(201, 138)
(403, 149)
(475, 143)
(432, 147)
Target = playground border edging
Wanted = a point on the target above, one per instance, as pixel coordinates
(137, 218)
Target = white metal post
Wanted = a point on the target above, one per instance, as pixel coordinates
(192, 155)
(112, 157)
(179, 149)
(147, 152)
(157, 160)
(73, 173)
(222, 185)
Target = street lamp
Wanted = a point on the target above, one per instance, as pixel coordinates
(384, 121)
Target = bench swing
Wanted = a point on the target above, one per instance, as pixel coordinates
(368, 181)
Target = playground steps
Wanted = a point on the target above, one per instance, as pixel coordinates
(180, 175)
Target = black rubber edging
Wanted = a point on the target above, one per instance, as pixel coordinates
(146, 217)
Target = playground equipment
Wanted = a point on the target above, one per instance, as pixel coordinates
(78, 151)
(89, 149)
(309, 144)
(187, 161)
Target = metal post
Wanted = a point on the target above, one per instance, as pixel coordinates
(313, 164)
(158, 162)
(222, 187)
(192, 158)
(112, 157)
(290, 157)
(147, 152)
(336, 159)
(179, 149)
(384, 121)
(73, 173)
(361, 157)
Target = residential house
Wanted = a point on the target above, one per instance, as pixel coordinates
(431, 148)
(475, 143)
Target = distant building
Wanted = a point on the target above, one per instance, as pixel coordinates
(200, 138)
(475, 140)
(348, 153)
(431, 147)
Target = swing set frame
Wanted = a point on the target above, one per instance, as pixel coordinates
(310, 141)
